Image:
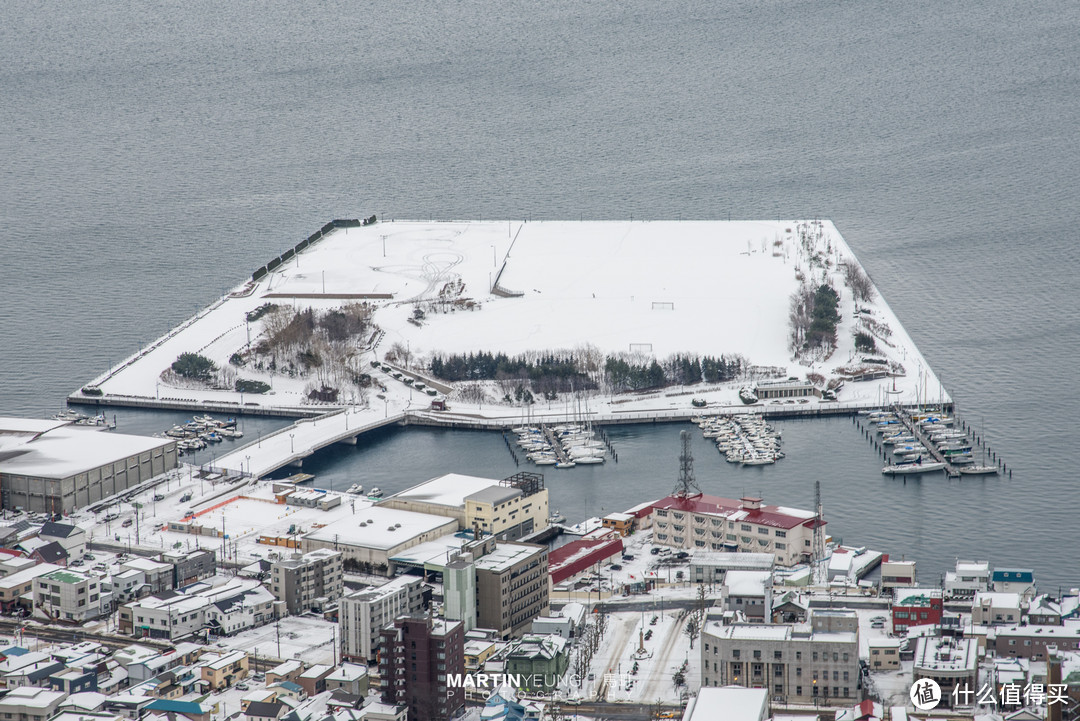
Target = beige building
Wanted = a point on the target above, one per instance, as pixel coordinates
(711, 523)
(65, 595)
(511, 587)
(300, 580)
(223, 670)
(884, 653)
(507, 509)
(373, 535)
(816, 662)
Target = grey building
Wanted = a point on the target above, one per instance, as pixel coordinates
(816, 662)
(56, 467)
(301, 580)
(191, 566)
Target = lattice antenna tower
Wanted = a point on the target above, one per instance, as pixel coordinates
(686, 485)
(819, 526)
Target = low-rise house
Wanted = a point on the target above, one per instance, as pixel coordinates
(265, 711)
(30, 703)
(313, 680)
(157, 576)
(239, 605)
(223, 670)
(34, 674)
(1014, 580)
(86, 702)
(191, 566)
(51, 552)
(539, 661)
(884, 653)
(72, 538)
(169, 709)
(897, 574)
(913, 607)
(74, 680)
(128, 705)
(352, 678)
(969, 578)
(168, 615)
(285, 671)
(749, 592)
(993, 608)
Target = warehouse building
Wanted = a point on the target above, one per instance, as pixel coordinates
(57, 467)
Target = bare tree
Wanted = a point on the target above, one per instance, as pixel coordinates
(859, 282)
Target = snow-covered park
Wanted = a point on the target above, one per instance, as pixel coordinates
(642, 290)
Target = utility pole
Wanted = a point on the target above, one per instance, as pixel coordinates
(277, 628)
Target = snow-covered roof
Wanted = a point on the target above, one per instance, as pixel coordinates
(731, 703)
(67, 450)
(505, 556)
(743, 561)
(450, 489)
(747, 583)
(381, 528)
(998, 599)
(429, 552)
(946, 654)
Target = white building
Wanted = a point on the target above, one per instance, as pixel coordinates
(363, 614)
(169, 615)
(969, 578)
(237, 606)
(712, 523)
(70, 596)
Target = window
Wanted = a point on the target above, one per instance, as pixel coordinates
(763, 530)
(747, 527)
(734, 653)
(778, 655)
(798, 690)
(781, 534)
(781, 546)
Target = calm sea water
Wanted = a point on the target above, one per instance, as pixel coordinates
(153, 155)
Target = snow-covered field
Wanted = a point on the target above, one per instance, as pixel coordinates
(655, 288)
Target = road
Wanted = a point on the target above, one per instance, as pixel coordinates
(618, 711)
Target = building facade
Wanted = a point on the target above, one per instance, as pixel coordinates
(808, 663)
(362, 615)
(418, 656)
(70, 596)
(512, 587)
(298, 582)
(712, 523)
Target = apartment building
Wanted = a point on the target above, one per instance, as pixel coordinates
(816, 662)
(419, 654)
(712, 523)
(362, 615)
(300, 580)
(511, 587)
(70, 596)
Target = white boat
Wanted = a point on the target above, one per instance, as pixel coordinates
(552, 461)
(963, 459)
(565, 464)
(586, 460)
(556, 517)
(908, 468)
(898, 438)
(375, 493)
(978, 470)
(908, 449)
(356, 488)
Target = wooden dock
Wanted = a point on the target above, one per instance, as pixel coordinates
(916, 431)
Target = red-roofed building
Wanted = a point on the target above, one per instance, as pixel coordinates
(573, 558)
(712, 523)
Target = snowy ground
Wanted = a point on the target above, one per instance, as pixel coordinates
(611, 670)
(617, 286)
(305, 638)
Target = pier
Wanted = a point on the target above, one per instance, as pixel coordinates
(916, 430)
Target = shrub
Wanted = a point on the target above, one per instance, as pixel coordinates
(193, 365)
(249, 386)
(864, 342)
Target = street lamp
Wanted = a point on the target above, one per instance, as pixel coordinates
(292, 447)
(249, 464)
